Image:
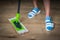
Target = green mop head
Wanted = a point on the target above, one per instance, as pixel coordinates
(19, 27)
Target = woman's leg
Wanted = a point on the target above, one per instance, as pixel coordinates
(35, 9)
(48, 20)
(47, 7)
(35, 4)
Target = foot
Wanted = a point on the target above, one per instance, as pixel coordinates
(49, 23)
(33, 12)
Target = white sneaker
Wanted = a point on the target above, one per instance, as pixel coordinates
(33, 12)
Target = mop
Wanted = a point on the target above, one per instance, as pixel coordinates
(18, 26)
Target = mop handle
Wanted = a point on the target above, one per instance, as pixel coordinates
(19, 2)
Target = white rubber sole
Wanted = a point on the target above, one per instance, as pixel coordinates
(34, 15)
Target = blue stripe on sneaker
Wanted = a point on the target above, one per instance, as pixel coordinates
(36, 9)
(48, 19)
